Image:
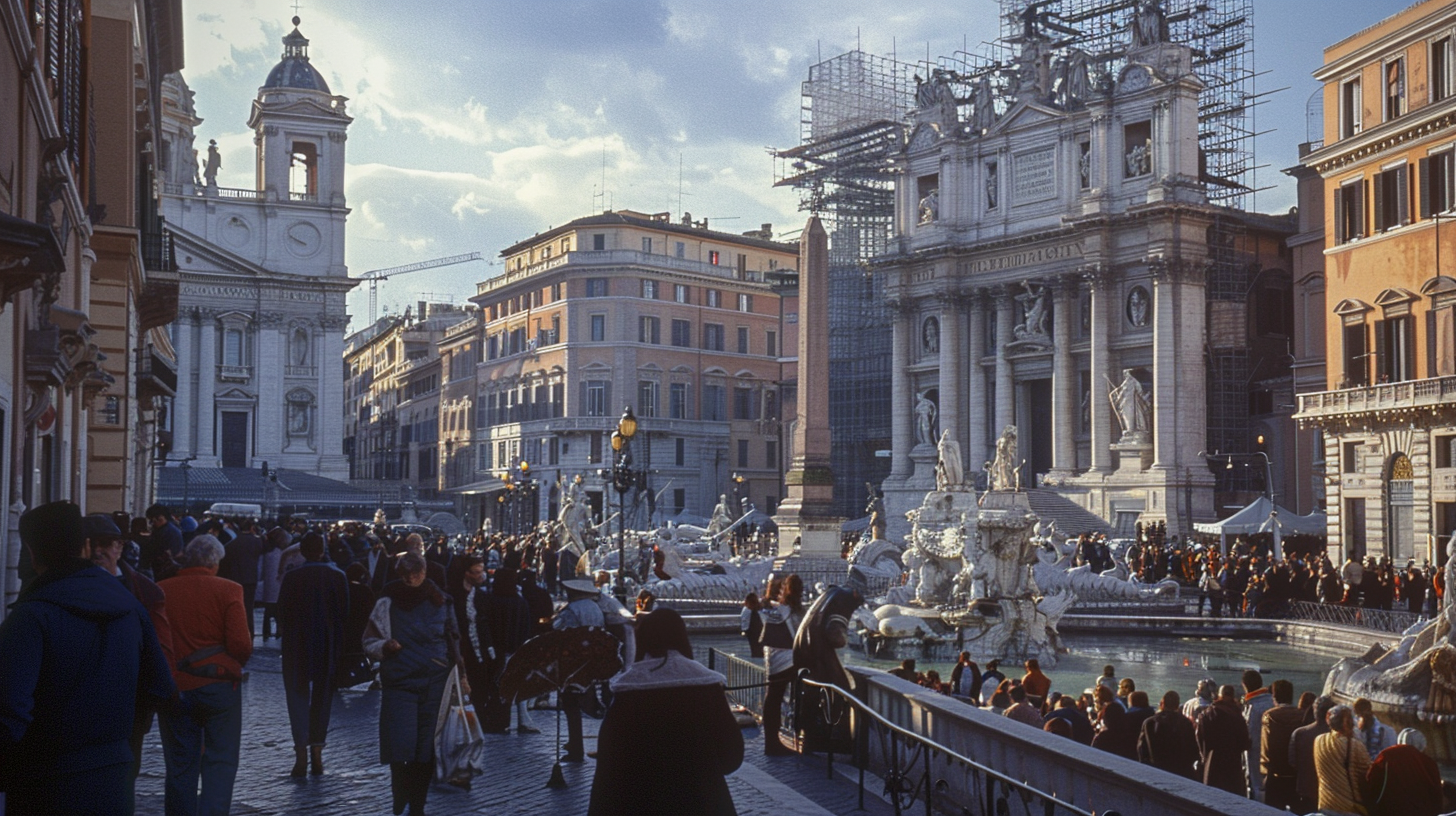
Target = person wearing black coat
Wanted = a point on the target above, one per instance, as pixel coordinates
(1223, 740)
(669, 739)
(508, 617)
(1167, 740)
(354, 667)
(313, 608)
(77, 655)
(468, 598)
(240, 564)
(538, 599)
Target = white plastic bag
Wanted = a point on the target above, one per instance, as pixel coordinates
(459, 742)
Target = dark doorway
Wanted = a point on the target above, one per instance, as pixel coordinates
(1445, 527)
(1354, 528)
(1038, 448)
(234, 439)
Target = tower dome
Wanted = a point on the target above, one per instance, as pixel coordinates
(294, 70)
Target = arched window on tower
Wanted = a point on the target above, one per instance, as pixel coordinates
(303, 172)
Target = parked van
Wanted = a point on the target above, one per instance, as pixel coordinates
(234, 510)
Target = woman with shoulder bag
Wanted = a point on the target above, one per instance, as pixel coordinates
(412, 633)
(780, 623)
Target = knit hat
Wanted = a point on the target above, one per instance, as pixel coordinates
(53, 532)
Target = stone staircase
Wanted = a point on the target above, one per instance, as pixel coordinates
(1072, 519)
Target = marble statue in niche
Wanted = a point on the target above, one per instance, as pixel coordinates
(1133, 406)
(925, 416)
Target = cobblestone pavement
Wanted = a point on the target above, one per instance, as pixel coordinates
(517, 767)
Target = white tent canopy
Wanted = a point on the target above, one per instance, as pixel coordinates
(1263, 516)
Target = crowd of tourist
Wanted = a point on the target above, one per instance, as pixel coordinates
(153, 620)
(126, 623)
(1248, 581)
(1253, 739)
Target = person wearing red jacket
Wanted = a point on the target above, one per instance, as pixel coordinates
(1403, 781)
(211, 643)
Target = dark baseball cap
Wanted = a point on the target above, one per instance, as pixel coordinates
(98, 527)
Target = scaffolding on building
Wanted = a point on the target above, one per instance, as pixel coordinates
(855, 117)
(852, 123)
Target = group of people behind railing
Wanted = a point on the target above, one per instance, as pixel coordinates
(1248, 581)
(1251, 740)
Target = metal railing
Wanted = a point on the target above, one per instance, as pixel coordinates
(1381, 620)
(914, 767)
(747, 680)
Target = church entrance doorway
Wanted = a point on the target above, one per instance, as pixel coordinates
(234, 446)
(1038, 420)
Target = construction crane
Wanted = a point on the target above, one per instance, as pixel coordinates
(374, 276)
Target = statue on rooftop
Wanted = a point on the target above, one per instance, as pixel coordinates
(1149, 25)
(214, 163)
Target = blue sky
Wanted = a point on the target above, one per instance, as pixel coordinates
(479, 124)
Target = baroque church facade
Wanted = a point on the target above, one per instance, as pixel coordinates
(261, 304)
(1051, 270)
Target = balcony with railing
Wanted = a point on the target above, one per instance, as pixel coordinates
(157, 252)
(156, 374)
(1429, 393)
(235, 373)
(300, 371)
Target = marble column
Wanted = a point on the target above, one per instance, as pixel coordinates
(1005, 386)
(902, 397)
(1103, 311)
(183, 407)
(329, 437)
(206, 387)
(952, 367)
(268, 425)
(1165, 365)
(1064, 376)
(974, 446)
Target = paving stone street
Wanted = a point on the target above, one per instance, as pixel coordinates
(517, 767)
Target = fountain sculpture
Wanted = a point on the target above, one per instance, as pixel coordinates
(984, 576)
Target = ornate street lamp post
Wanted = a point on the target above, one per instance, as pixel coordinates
(624, 478)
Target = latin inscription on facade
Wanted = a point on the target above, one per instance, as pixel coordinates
(1036, 175)
(1025, 257)
(246, 293)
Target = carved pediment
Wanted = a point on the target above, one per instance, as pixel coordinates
(1439, 285)
(1024, 115)
(924, 136)
(1395, 297)
(1351, 306)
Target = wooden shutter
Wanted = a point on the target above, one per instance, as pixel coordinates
(1362, 192)
(1402, 195)
(1427, 185)
(1446, 342)
(1407, 327)
(1382, 363)
(1379, 203)
(1340, 237)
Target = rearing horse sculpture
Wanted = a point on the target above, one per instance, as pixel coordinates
(821, 718)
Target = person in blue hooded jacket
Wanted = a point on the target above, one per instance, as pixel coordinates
(77, 653)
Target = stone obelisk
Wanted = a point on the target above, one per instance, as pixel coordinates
(807, 514)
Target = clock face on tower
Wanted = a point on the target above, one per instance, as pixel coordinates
(302, 239)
